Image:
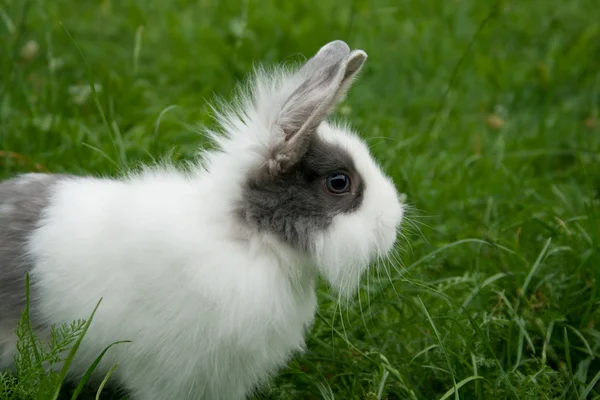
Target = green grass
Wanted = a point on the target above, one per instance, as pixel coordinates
(485, 114)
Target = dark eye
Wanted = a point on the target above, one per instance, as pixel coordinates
(338, 183)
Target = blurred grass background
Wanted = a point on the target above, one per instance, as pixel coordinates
(485, 114)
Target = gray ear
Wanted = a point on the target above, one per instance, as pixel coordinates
(326, 77)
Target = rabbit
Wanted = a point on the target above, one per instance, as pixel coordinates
(209, 270)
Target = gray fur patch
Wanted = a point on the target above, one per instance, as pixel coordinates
(22, 200)
(295, 205)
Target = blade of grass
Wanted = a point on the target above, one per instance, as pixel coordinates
(458, 386)
(532, 272)
(36, 351)
(386, 364)
(582, 338)
(91, 369)
(326, 391)
(103, 383)
(547, 342)
(425, 350)
(519, 350)
(102, 153)
(439, 338)
(381, 388)
(137, 48)
(69, 359)
(8, 23)
(590, 387)
(157, 124)
(517, 319)
(476, 375)
(568, 358)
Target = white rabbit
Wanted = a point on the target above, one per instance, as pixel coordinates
(209, 271)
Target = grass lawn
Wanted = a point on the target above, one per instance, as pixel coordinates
(485, 113)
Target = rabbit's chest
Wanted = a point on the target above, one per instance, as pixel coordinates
(251, 337)
(275, 322)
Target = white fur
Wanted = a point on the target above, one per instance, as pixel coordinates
(212, 306)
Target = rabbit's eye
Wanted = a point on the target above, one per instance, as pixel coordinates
(338, 183)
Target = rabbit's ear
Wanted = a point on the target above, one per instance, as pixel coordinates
(326, 77)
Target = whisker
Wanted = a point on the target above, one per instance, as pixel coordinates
(362, 314)
(392, 281)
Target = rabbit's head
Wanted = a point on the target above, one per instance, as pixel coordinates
(311, 184)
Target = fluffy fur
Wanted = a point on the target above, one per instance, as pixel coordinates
(214, 302)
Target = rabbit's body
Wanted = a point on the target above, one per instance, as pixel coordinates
(169, 284)
(210, 272)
